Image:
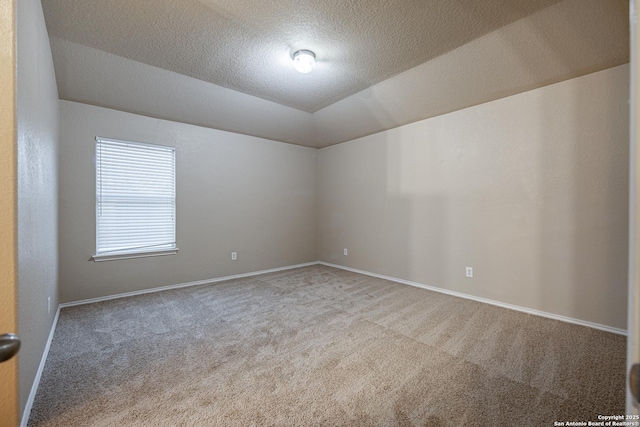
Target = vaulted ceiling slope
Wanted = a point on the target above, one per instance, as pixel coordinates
(226, 64)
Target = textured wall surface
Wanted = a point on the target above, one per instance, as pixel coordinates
(37, 125)
(530, 190)
(234, 193)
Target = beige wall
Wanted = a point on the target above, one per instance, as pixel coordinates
(37, 126)
(234, 193)
(530, 190)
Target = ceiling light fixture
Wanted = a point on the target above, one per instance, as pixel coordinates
(304, 61)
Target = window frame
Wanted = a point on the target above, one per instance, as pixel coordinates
(135, 253)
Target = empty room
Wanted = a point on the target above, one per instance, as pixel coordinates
(319, 213)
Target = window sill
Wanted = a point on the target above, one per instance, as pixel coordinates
(113, 257)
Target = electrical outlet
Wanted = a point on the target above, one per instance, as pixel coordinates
(49, 305)
(234, 256)
(469, 271)
(346, 252)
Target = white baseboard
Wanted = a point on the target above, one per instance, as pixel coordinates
(36, 381)
(484, 300)
(366, 273)
(184, 285)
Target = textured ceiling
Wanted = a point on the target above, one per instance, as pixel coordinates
(181, 60)
(246, 45)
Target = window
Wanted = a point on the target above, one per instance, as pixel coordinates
(135, 200)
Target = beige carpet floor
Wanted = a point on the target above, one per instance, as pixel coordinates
(318, 346)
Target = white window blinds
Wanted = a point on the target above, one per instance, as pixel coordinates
(136, 197)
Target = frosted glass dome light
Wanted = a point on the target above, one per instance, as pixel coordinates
(304, 61)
